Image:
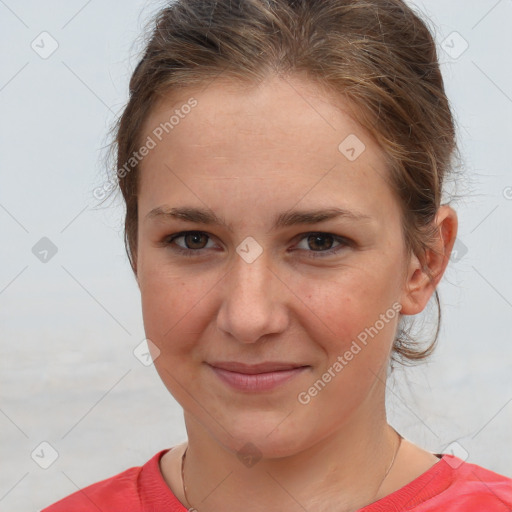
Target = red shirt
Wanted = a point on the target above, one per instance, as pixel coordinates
(450, 485)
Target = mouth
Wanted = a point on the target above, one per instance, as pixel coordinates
(259, 377)
(253, 369)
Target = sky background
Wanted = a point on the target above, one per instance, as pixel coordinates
(69, 325)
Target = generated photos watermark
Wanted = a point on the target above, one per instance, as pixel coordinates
(150, 143)
(304, 397)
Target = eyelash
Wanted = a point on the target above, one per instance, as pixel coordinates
(314, 254)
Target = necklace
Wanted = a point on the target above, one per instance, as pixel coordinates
(391, 465)
(192, 509)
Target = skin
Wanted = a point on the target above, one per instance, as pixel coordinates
(248, 154)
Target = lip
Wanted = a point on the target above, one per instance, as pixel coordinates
(255, 378)
(252, 369)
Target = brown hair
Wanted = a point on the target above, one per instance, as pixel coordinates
(377, 54)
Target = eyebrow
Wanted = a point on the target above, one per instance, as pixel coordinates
(284, 219)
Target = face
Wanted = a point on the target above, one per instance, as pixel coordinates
(268, 281)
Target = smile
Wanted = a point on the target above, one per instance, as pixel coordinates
(249, 380)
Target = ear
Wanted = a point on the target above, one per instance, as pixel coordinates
(418, 288)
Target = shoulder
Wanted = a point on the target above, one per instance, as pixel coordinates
(474, 487)
(117, 491)
(450, 485)
(123, 491)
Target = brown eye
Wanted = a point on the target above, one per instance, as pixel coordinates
(317, 242)
(318, 245)
(195, 240)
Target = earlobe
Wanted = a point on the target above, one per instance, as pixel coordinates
(419, 287)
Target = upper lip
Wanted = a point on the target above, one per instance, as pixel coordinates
(251, 369)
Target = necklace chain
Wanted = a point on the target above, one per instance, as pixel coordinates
(192, 509)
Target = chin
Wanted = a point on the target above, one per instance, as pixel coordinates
(264, 436)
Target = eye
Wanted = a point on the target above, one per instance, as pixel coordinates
(320, 243)
(194, 242)
(317, 241)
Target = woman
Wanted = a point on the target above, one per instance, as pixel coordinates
(282, 164)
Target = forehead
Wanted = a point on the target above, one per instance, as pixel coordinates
(285, 135)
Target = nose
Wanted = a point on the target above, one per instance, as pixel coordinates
(253, 301)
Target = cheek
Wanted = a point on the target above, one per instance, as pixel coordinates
(172, 308)
(345, 307)
(362, 323)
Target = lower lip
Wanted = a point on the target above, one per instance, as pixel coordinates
(258, 381)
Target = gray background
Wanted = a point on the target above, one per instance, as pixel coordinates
(69, 325)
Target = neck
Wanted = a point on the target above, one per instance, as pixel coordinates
(343, 471)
